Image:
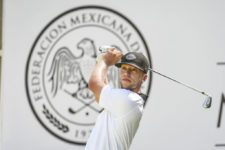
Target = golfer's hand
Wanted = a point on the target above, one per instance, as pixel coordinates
(112, 56)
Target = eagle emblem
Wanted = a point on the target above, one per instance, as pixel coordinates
(70, 73)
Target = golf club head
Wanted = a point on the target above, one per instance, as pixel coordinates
(208, 101)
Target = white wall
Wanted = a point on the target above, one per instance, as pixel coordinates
(185, 40)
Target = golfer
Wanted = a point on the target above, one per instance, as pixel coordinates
(123, 107)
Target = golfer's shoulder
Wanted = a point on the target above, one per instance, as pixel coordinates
(134, 97)
(131, 98)
(122, 94)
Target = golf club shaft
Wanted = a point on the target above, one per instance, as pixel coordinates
(178, 82)
(104, 49)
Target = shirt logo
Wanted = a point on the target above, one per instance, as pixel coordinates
(60, 63)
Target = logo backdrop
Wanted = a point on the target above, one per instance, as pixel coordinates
(61, 61)
(50, 49)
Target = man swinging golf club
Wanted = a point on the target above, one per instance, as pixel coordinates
(123, 107)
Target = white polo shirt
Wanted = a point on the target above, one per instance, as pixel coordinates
(117, 124)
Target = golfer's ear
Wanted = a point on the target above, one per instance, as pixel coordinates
(145, 77)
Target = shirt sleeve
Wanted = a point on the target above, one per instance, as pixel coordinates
(119, 101)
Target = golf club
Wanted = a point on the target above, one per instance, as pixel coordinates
(208, 101)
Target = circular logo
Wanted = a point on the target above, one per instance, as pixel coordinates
(61, 61)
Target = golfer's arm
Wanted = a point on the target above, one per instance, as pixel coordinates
(98, 79)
